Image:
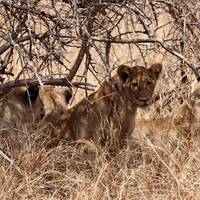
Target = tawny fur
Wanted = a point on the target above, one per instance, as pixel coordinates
(55, 100)
(21, 111)
(180, 129)
(108, 115)
(16, 107)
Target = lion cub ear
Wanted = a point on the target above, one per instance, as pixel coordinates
(31, 93)
(68, 95)
(156, 69)
(123, 72)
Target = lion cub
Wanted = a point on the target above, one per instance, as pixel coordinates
(178, 131)
(23, 107)
(107, 116)
(29, 104)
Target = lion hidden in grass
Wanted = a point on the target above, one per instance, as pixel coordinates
(24, 111)
(23, 104)
(179, 133)
(107, 116)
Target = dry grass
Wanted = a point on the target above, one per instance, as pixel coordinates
(28, 170)
(66, 172)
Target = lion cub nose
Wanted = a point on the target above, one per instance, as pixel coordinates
(144, 96)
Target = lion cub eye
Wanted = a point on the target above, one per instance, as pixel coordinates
(150, 82)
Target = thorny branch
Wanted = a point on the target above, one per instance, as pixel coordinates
(51, 38)
(4, 87)
(139, 41)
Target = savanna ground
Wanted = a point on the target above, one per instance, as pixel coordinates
(42, 39)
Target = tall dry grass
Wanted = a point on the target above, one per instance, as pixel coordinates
(67, 172)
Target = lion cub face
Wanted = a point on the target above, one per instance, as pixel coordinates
(139, 82)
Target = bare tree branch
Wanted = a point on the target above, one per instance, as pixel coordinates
(46, 81)
(78, 60)
(84, 45)
(161, 42)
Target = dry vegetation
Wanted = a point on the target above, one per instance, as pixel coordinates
(56, 42)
